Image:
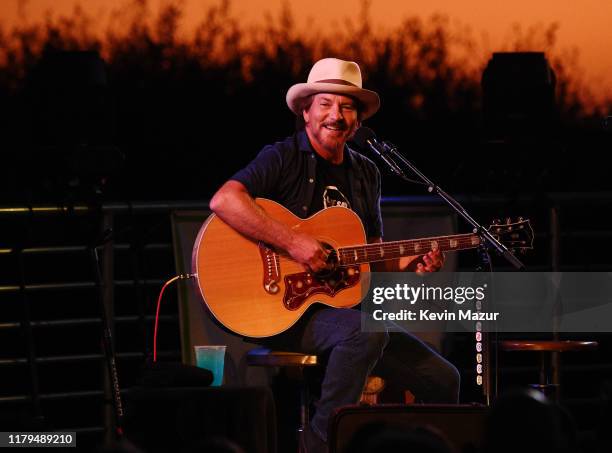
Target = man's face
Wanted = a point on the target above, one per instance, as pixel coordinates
(331, 120)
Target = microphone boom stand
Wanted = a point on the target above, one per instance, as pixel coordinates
(107, 339)
(487, 238)
(389, 154)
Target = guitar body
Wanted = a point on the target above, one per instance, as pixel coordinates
(259, 292)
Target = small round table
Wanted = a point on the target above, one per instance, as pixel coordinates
(549, 382)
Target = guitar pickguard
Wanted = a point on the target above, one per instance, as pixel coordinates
(299, 287)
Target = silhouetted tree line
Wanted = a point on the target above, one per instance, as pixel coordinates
(170, 116)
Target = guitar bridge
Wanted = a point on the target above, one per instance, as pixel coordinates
(271, 268)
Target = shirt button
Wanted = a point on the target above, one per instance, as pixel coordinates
(312, 156)
(304, 208)
(311, 180)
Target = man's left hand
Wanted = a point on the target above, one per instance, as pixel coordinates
(432, 262)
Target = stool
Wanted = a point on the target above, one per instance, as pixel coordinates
(548, 384)
(270, 358)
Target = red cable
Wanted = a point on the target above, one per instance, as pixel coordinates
(159, 299)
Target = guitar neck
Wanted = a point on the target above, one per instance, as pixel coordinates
(384, 251)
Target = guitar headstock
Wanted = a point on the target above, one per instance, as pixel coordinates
(517, 236)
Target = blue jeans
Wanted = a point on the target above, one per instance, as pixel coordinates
(401, 359)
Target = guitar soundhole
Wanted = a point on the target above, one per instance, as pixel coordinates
(332, 262)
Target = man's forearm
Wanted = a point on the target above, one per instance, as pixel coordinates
(238, 209)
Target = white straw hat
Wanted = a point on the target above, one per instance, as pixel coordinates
(331, 75)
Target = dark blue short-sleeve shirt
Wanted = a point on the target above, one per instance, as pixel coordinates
(286, 172)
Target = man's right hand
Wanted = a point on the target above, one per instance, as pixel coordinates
(307, 251)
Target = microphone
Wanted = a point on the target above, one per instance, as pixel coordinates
(365, 138)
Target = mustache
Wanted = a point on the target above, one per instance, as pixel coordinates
(340, 124)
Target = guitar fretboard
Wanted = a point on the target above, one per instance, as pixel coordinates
(396, 249)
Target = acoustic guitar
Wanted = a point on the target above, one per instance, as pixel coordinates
(257, 291)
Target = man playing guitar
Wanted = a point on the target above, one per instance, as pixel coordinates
(309, 171)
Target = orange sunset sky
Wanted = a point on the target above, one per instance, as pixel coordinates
(584, 25)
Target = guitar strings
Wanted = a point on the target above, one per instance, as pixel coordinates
(347, 254)
(408, 244)
(464, 241)
(387, 246)
(396, 245)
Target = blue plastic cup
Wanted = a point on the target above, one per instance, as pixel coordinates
(212, 358)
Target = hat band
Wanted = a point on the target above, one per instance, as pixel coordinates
(338, 82)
